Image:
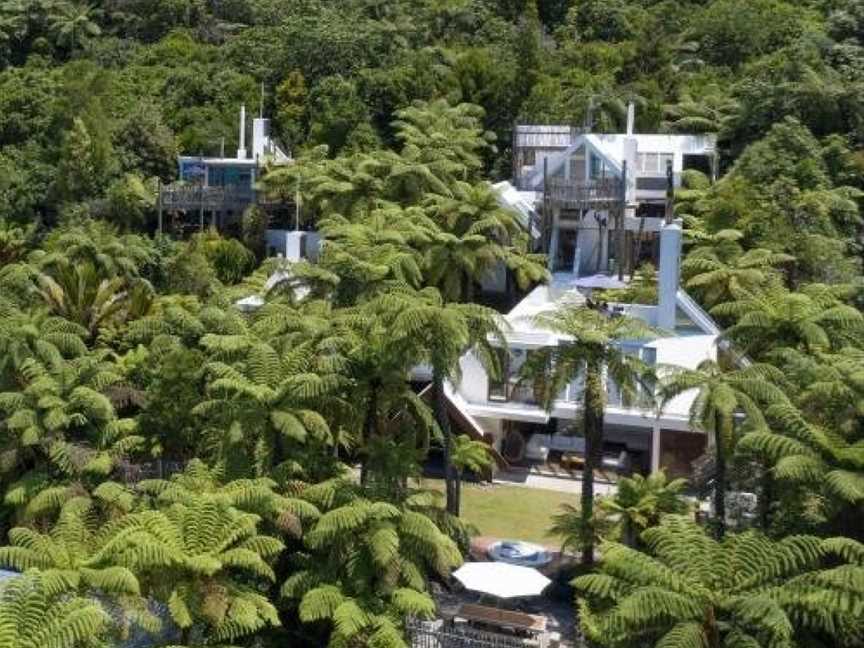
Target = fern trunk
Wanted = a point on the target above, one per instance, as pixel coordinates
(594, 406)
(719, 477)
(369, 428)
(450, 476)
(765, 498)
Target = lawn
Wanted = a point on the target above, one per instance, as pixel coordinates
(510, 512)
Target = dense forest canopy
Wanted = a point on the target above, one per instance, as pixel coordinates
(175, 467)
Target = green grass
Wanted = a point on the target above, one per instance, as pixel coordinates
(509, 512)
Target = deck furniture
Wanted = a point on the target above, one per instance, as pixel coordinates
(532, 625)
(572, 460)
(620, 463)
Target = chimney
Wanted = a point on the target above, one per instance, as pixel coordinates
(631, 155)
(669, 276)
(260, 137)
(241, 150)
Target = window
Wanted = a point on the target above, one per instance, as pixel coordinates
(597, 167)
(498, 388)
(654, 163)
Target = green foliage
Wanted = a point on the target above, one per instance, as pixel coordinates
(36, 611)
(364, 565)
(689, 590)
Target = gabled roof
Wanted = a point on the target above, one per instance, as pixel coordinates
(592, 143)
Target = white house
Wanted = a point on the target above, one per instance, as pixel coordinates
(599, 197)
(524, 432)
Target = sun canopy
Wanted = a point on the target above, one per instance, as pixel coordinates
(501, 579)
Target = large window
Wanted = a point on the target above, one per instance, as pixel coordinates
(498, 388)
(654, 163)
(511, 387)
(644, 392)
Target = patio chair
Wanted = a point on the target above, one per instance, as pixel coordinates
(537, 448)
(620, 463)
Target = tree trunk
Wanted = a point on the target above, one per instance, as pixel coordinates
(765, 498)
(594, 406)
(467, 288)
(450, 476)
(719, 477)
(628, 533)
(457, 487)
(712, 631)
(369, 425)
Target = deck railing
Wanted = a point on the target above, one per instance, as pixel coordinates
(598, 193)
(432, 635)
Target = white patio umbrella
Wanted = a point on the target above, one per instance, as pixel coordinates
(501, 580)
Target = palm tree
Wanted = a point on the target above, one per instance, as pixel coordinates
(812, 319)
(592, 347)
(826, 467)
(371, 253)
(364, 566)
(640, 502)
(691, 591)
(257, 496)
(36, 611)
(722, 394)
(467, 454)
(439, 334)
(74, 24)
(190, 555)
(98, 243)
(78, 294)
(379, 364)
(721, 271)
(449, 140)
(474, 234)
(268, 399)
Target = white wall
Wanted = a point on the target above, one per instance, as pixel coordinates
(474, 386)
(686, 352)
(291, 244)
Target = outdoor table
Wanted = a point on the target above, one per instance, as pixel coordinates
(497, 617)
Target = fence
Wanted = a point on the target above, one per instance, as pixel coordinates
(432, 635)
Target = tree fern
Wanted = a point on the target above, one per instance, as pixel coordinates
(690, 590)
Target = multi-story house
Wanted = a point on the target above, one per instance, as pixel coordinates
(508, 414)
(600, 197)
(598, 205)
(216, 190)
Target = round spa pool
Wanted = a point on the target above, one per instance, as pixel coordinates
(519, 553)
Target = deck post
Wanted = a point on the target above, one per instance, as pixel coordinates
(655, 447)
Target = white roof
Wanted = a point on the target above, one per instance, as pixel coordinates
(521, 202)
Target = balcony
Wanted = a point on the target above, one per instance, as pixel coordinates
(601, 193)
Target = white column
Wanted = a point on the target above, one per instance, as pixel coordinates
(670, 268)
(655, 447)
